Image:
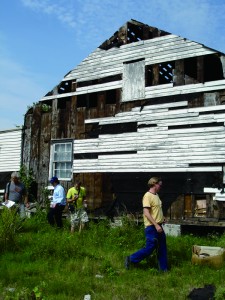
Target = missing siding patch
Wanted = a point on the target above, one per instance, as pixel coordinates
(214, 124)
(147, 125)
(95, 155)
(219, 111)
(99, 81)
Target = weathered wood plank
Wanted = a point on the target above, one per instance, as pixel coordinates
(143, 169)
(99, 87)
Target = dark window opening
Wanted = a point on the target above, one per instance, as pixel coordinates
(134, 33)
(110, 97)
(213, 69)
(100, 80)
(87, 100)
(97, 129)
(148, 75)
(92, 100)
(61, 103)
(190, 68)
(87, 83)
(81, 101)
(64, 87)
(159, 73)
(166, 73)
(95, 155)
(118, 128)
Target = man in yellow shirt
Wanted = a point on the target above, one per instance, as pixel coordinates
(76, 198)
(153, 220)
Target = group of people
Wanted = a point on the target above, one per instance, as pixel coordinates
(15, 191)
(76, 201)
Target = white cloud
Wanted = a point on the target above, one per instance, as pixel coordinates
(196, 20)
(94, 21)
(62, 10)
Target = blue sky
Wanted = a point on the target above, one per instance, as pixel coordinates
(42, 40)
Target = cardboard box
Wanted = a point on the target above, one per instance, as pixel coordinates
(210, 256)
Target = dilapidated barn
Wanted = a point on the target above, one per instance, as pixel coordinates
(146, 102)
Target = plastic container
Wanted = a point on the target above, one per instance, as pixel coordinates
(210, 256)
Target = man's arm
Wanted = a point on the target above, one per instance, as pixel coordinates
(26, 201)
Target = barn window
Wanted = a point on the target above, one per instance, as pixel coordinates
(159, 73)
(61, 160)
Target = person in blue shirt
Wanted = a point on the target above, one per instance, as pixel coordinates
(57, 204)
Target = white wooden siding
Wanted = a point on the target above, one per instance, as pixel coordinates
(151, 91)
(10, 150)
(103, 63)
(160, 147)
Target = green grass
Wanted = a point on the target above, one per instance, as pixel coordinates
(40, 262)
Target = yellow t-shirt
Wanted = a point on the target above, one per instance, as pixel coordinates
(154, 204)
(82, 194)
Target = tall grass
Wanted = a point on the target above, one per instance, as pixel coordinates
(54, 264)
(10, 224)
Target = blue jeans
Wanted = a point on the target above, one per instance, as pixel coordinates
(154, 241)
(55, 215)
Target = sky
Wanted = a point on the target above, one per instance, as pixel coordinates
(42, 40)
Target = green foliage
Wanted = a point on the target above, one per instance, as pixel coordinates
(45, 107)
(27, 177)
(45, 196)
(55, 264)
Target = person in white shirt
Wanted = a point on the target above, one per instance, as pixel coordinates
(57, 204)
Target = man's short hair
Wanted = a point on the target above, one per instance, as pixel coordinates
(152, 181)
(15, 175)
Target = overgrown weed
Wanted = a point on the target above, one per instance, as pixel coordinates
(92, 262)
(10, 225)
